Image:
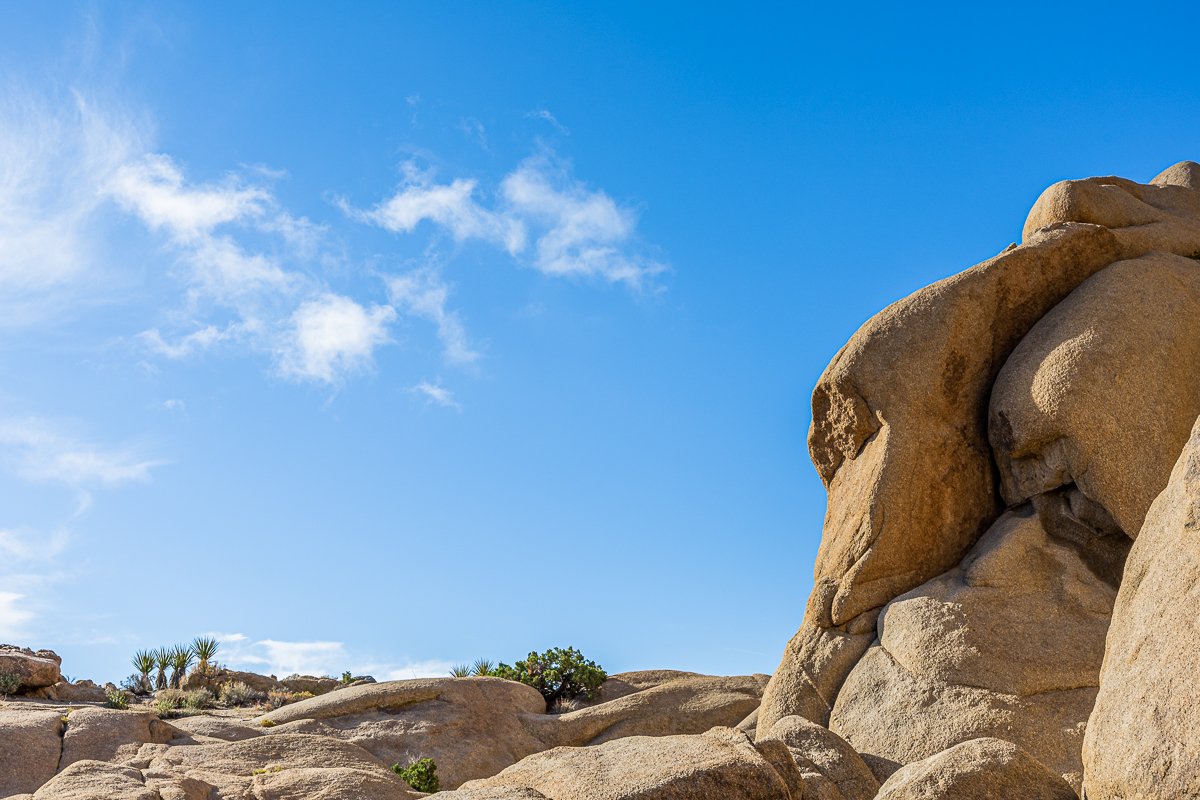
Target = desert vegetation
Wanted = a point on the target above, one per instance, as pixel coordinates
(560, 674)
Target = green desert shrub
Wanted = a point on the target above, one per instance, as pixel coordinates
(237, 693)
(278, 698)
(559, 674)
(460, 671)
(117, 698)
(143, 662)
(483, 667)
(10, 683)
(421, 775)
(198, 699)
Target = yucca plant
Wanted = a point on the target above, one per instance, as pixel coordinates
(482, 667)
(162, 660)
(181, 659)
(204, 648)
(460, 671)
(143, 662)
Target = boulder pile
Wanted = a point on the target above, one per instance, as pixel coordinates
(1006, 600)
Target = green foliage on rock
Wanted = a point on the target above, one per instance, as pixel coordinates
(117, 698)
(10, 682)
(421, 775)
(559, 674)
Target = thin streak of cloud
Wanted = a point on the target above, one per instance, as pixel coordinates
(40, 451)
(436, 394)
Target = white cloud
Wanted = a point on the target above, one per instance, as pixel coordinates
(545, 115)
(432, 668)
(284, 658)
(188, 344)
(575, 230)
(437, 394)
(24, 544)
(55, 155)
(583, 231)
(423, 293)
(38, 450)
(332, 336)
(154, 189)
(451, 206)
(174, 404)
(13, 618)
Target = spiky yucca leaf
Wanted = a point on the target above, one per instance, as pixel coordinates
(460, 671)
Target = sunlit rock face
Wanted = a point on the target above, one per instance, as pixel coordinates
(991, 446)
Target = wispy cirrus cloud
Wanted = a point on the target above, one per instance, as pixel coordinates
(332, 658)
(57, 151)
(40, 450)
(436, 394)
(543, 217)
(423, 293)
(451, 206)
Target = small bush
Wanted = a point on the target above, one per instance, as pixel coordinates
(347, 678)
(237, 693)
(267, 723)
(10, 683)
(278, 698)
(558, 673)
(170, 698)
(421, 775)
(199, 698)
(118, 699)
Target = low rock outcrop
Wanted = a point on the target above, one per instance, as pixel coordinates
(980, 769)
(722, 764)
(24, 670)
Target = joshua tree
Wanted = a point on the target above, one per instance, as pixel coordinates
(181, 659)
(143, 662)
(162, 660)
(204, 648)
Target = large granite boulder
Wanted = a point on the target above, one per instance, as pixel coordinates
(100, 734)
(1008, 644)
(24, 670)
(1143, 738)
(722, 764)
(1100, 393)
(899, 433)
(980, 769)
(475, 727)
(30, 746)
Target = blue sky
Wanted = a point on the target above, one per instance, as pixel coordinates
(384, 338)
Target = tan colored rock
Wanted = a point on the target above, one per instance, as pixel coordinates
(1008, 644)
(291, 751)
(1099, 392)
(339, 783)
(309, 683)
(32, 669)
(96, 780)
(492, 793)
(79, 692)
(1143, 738)
(980, 769)
(900, 440)
(827, 754)
(679, 706)
(627, 683)
(471, 727)
(1162, 215)
(30, 744)
(475, 727)
(214, 679)
(719, 765)
(100, 734)
(223, 728)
